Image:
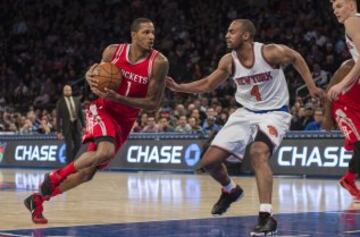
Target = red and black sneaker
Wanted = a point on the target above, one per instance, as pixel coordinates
(50, 182)
(34, 204)
(350, 186)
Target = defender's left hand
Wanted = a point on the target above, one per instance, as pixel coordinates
(335, 91)
(316, 92)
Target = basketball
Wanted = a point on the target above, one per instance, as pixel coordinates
(108, 76)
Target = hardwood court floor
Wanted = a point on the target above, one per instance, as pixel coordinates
(118, 197)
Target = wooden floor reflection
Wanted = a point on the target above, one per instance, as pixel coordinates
(117, 197)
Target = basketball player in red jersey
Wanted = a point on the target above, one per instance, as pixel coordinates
(345, 95)
(110, 118)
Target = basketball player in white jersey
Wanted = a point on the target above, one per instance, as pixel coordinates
(263, 120)
(346, 13)
(344, 96)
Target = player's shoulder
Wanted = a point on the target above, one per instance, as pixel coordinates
(161, 59)
(272, 47)
(112, 47)
(348, 64)
(226, 58)
(109, 52)
(352, 23)
(353, 19)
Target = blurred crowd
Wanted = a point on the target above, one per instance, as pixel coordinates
(46, 44)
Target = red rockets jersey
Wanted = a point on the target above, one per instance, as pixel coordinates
(136, 78)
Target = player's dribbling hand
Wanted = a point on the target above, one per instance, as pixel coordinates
(89, 76)
(171, 84)
(97, 92)
(110, 94)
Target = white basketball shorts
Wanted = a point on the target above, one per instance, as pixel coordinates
(242, 127)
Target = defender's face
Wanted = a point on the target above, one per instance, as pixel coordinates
(235, 36)
(145, 36)
(342, 9)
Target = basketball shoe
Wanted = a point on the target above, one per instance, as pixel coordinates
(349, 186)
(226, 199)
(34, 204)
(267, 225)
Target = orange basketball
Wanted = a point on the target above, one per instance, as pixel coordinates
(108, 76)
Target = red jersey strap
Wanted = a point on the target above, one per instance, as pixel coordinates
(153, 55)
(117, 53)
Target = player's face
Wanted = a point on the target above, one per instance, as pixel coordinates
(145, 36)
(235, 36)
(342, 9)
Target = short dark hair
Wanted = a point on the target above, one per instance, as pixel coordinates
(247, 26)
(135, 25)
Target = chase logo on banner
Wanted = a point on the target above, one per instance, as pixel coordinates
(62, 154)
(192, 154)
(2, 151)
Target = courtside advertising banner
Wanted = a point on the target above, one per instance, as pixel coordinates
(181, 155)
(159, 155)
(32, 153)
(320, 157)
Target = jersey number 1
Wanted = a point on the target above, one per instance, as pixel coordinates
(256, 92)
(128, 88)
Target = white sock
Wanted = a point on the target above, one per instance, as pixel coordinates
(230, 186)
(266, 207)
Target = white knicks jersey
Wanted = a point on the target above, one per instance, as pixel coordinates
(351, 46)
(260, 87)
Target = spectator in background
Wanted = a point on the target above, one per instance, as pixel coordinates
(183, 126)
(164, 125)
(151, 126)
(317, 123)
(27, 126)
(308, 115)
(210, 126)
(194, 124)
(320, 76)
(34, 120)
(136, 127)
(179, 110)
(143, 120)
(69, 122)
(45, 126)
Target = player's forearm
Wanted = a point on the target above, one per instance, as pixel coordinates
(302, 68)
(353, 75)
(327, 108)
(199, 86)
(141, 103)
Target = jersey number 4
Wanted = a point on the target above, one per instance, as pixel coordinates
(256, 92)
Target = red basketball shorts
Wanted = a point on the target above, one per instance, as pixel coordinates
(348, 120)
(102, 126)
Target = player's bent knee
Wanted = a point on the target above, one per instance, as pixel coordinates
(90, 176)
(104, 156)
(87, 175)
(259, 154)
